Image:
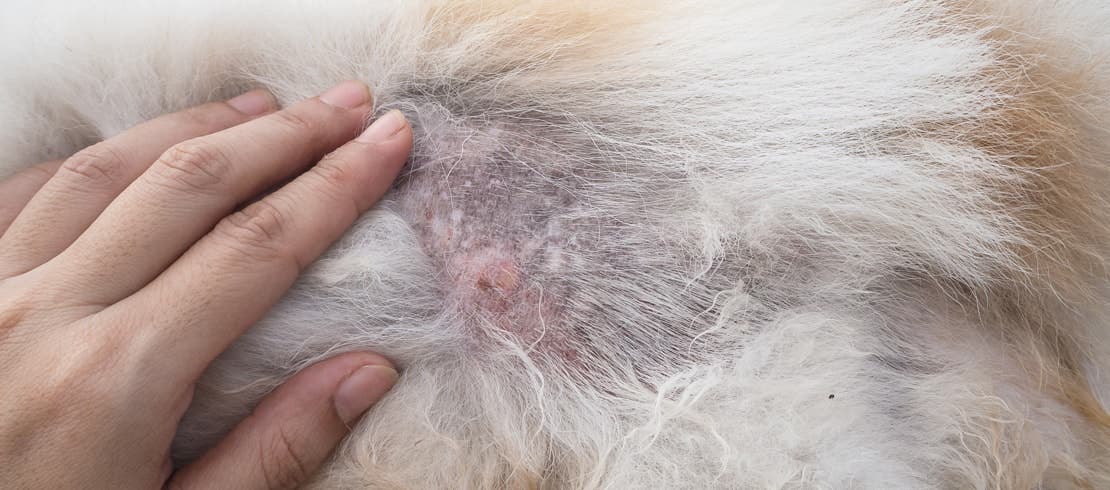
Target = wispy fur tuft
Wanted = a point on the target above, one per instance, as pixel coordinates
(680, 244)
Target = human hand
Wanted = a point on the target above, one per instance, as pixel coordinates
(126, 269)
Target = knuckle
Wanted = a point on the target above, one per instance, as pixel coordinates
(31, 327)
(193, 166)
(333, 180)
(207, 116)
(298, 123)
(14, 308)
(257, 230)
(100, 165)
(82, 370)
(332, 175)
(24, 300)
(281, 461)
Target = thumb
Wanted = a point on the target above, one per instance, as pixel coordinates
(294, 430)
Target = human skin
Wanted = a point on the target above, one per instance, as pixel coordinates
(128, 267)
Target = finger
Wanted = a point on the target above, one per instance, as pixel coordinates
(293, 431)
(195, 184)
(87, 182)
(232, 276)
(17, 190)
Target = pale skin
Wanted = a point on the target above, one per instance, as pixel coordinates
(127, 268)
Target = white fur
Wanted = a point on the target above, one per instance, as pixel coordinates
(744, 274)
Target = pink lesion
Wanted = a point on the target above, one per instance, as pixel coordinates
(499, 265)
(493, 289)
(488, 277)
(495, 280)
(497, 287)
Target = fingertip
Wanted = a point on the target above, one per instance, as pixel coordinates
(292, 432)
(384, 128)
(396, 145)
(254, 103)
(374, 159)
(365, 358)
(404, 133)
(350, 94)
(362, 389)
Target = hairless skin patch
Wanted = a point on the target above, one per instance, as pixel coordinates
(529, 251)
(497, 239)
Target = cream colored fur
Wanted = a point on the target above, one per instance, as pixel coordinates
(675, 244)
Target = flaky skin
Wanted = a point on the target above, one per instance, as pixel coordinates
(675, 244)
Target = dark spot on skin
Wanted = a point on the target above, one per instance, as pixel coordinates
(831, 396)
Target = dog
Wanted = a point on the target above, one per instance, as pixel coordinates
(663, 244)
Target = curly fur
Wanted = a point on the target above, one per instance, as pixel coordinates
(680, 244)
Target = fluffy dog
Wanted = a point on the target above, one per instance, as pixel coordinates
(672, 244)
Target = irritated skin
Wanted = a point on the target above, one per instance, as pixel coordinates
(640, 244)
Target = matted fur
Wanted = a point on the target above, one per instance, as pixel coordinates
(675, 244)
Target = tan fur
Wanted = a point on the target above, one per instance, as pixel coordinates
(581, 30)
(1047, 136)
(899, 202)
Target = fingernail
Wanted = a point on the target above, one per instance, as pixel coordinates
(348, 95)
(361, 389)
(253, 103)
(386, 126)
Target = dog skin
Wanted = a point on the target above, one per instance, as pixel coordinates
(684, 244)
